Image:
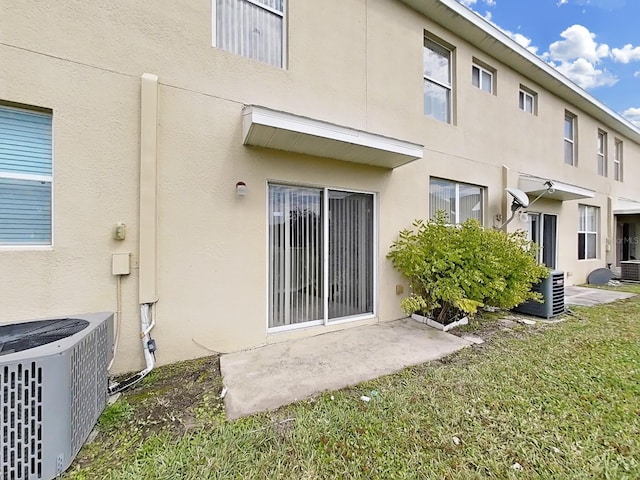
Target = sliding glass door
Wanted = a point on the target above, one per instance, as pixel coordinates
(321, 247)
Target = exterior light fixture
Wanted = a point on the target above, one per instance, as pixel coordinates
(241, 189)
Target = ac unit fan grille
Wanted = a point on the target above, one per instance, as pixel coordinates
(630, 270)
(21, 421)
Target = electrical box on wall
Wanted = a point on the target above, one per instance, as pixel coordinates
(121, 263)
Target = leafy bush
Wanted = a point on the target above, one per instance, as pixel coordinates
(454, 270)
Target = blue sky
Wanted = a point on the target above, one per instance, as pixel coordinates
(595, 43)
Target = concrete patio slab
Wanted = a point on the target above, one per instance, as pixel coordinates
(268, 377)
(588, 297)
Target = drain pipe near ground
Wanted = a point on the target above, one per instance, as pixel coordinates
(148, 225)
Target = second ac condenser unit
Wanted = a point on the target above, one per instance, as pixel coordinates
(552, 291)
(630, 270)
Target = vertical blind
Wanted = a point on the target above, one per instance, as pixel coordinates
(458, 200)
(297, 257)
(25, 177)
(251, 28)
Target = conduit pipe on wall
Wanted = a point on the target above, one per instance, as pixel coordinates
(148, 225)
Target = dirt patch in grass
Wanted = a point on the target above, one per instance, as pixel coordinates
(170, 402)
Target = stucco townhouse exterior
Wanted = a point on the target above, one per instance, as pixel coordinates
(241, 167)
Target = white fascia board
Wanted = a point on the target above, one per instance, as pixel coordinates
(254, 117)
(624, 206)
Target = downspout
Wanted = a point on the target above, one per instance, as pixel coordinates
(148, 226)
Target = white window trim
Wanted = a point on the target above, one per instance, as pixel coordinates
(572, 140)
(448, 86)
(482, 70)
(602, 154)
(585, 209)
(617, 161)
(282, 14)
(326, 321)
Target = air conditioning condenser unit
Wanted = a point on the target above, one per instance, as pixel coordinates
(552, 291)
(53, 388)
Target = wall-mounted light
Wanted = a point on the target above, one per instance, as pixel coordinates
(241, 189)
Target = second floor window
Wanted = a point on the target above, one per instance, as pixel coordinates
(617, 161)
(527, 101)
(569, 139)
(482, 78)
(437, 81)
(251, 28)
(602, 154)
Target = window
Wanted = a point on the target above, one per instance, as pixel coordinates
(527, 100)
(459, 201)
(602, 153)
(321, 251)
(251, 28)
(482, 78)
(617, 161)
(437, 81)
(569, 139)
(588, 232)
(25, 177)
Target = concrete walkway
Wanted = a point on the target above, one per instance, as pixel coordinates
(268, 377)
(588, 297)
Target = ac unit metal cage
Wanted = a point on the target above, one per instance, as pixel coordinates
(630, 270)
(53, 388)
(552, 290)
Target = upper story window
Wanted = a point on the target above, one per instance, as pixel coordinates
(482, 77)
(460, 201)
(26, 176)
(569, 139)
(527, 100)
(617, 161)
(251, 28)
(602, 153)
(438, 89)
(588, 232)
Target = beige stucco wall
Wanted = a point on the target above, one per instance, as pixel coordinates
(364, 72)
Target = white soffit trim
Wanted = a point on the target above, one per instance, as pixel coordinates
(263, 127)
(534, 186)
(624, 206)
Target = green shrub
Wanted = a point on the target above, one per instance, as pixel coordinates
(454, 270)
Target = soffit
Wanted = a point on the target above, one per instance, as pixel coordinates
(264, 127)
(534, 186)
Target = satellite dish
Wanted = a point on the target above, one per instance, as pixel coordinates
(520, 199)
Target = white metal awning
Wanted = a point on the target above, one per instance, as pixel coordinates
(623, 206)
(534, 186)
(263, 127)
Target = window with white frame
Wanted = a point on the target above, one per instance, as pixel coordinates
(321, 255)
(26, 176)
(482, 78)
(437, 85)
(527, 100)
(460, 201)
(602, 153)
(617, 161)
(588, 232)
(251, 28)
(569, 139)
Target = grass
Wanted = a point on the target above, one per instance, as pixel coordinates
(548, 401)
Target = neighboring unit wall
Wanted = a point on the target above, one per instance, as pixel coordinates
(355, 64)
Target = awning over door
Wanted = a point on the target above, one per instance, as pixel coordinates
(623, 206)
(534, 186)
(263, 127)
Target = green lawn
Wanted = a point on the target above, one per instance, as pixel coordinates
(557, 401)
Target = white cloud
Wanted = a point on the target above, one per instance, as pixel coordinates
(562, 2)
(637, 74)
(633, 115)
(626, 54)
(578, 42)
(585, 74)
(467, 3)
(490, 3)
